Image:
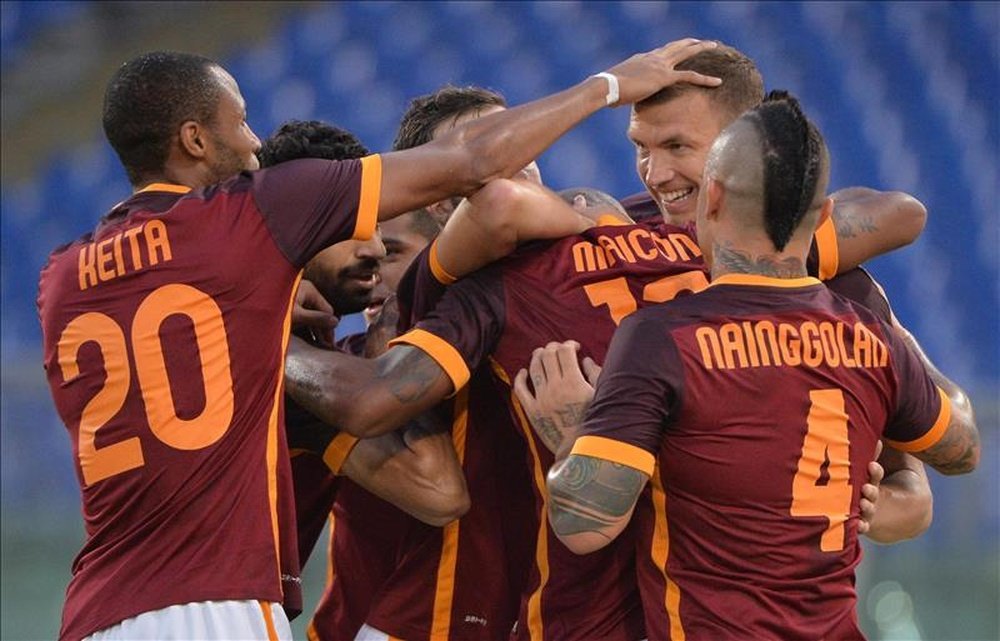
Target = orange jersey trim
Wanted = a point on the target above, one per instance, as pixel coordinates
(616, 452)
(272, 633)
(535, 622)
(757, 280)
(338, 450)
(439, 272)
(827, 249)
(271, 456)
(168, 187)
(443, 353)
(933, 435)
(608, 220)
(444, 588)
(368, 200)
(660, 553)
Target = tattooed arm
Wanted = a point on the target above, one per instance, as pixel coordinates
(364, 397)
(957, 451)
(871, 222)
(590, 499)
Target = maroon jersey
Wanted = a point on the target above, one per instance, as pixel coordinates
(164, 335)
(755, 406)
(580, 288)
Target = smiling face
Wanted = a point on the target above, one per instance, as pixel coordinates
(672, 140)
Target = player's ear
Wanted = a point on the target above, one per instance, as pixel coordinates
(193, 138)
(715, 197)
(442, 210)
(826, 211)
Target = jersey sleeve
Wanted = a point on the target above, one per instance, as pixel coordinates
(464, 327)
(639, 388)
(421, 287)
(922, 410)
(310, 204)
(858, 286)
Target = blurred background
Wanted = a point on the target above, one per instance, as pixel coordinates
(907, 95)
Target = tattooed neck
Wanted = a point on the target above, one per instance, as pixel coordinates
(727, 260)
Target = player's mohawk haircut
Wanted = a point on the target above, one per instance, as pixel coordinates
(792, 151)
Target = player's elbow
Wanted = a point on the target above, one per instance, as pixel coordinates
(497, 207)
(909, 216)
(444, 496)
(584, 542)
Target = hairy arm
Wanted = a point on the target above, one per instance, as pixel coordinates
(364, 397)
(591, 500)
(500, 144)
(871, 222)
(415, 468)
(491, 223)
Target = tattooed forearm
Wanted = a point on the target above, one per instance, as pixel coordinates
(727, 260)
(409, 374)
(591, 495)
(956, 453)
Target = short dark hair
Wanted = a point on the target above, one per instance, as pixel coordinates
(309, 139)
(425, 224)
(147, 100)
(425, 113)
(742, 86)
(792, 149)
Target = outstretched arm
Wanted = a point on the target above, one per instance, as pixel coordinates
(364, 397)
(500, 144)
(869, 223)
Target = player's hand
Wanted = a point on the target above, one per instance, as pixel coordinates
(313, 312)
(382, 328)
(644, 74)
(561, 393)
(870, 491)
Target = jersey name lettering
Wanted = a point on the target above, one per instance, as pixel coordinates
(146, 244)
(632, 245)
(809, 344)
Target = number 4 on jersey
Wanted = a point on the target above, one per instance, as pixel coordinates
(826, 445)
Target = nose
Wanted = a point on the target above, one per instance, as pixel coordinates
(658, 169)
(372, 249)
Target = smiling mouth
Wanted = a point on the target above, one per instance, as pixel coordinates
(676, 196)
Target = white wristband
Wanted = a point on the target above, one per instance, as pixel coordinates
(612, 96)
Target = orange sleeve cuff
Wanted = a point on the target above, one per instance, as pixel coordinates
(827, 250)
(439, 272)
(616, 452)
(371, 191)
(338, 450)
(443, 353)
(933, 435)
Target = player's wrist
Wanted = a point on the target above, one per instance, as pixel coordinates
(610, 81)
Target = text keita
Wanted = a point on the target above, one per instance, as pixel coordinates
(127, 251)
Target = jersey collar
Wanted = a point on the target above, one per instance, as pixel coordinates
(168, 187)
(764, 281)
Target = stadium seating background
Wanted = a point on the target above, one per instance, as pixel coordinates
(907, 95)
